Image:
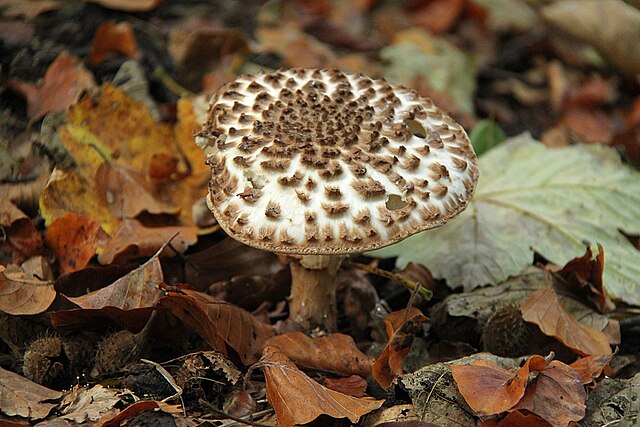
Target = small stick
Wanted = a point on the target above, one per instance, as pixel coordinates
(407, 283)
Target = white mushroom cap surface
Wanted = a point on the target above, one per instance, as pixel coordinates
(309, 161)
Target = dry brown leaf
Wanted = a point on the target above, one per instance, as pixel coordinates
(516, 419)
(590, 125)
(128, 5)
(131, 411)
(490, 389)
(26, 289)
(28, 8)
(591, 367)
(297, 399)
(133, 240)
(438, 16)
(63, 83)
(126, 194)
(82, 404)
(335, 353)
(545, 310)
(73, 240)
(112, 38)
(402, 326)
(24, 398)
(584, 275)
(353, 385)
(219, 323)
(556, 395)
(138, 289)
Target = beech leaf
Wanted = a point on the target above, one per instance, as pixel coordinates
(569, 195)
(297, 399)
(73, 240)
(26, 289)
(544, 309)
(219, 323)
(24, 398)
(335, 353)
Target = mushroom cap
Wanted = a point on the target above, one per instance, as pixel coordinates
(316, 161)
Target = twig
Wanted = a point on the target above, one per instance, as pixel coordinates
(407, 283)
(242, 420)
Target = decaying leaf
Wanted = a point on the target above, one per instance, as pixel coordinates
(332, 353)
(591, 367)
(113, 38)
(73, 240)
(402, 326)
(545, 310)
(219, 323)
(24, 398)
(89, 404)
(490, 389)
(26, 289)
(65, 80)
(568, 195)
(297, 399)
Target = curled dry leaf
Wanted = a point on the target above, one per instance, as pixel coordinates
(63, 83)
(556, 395)
(26, 289)
(584, 274)
(545, 310)
(353, 385)
(335, 353)
(402, 326)
(490, 389)
(113, 38)
(219, 323)
(23, 398)
(134, 240)
(138, 289)
(591, 367)
(73, 240)
(297, 399)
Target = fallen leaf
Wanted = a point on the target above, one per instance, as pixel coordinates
(128, 5)
(556, 395)
(88, 404)
(569, 195)
(63, 83)
(124, 191)
(438, 16)
(24, 398)
(335, 353)
(73, 240)
(490, 389)
(545, 310)
(591, 367)
(353, 385)
(113, 38)
(134, 240)
(135, 409)
(485, 135)
(23, 237)
(402, 326)
(611, 26)
(516, 419)
(297, 399)
(29, 9)
(509, 15)
(615, 401)
(26, 289)
(138, 289)
(219, 323)
(590, 125)
(584, 274)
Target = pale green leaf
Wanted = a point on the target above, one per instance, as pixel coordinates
(485, 135)
(531, 198)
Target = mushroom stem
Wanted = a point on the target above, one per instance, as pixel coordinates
(313, 291)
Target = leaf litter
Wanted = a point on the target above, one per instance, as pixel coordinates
(99, 107)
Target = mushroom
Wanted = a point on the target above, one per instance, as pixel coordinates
(319, 164)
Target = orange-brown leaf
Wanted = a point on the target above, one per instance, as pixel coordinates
(133, 240)
(128, 5)
(112, 38)
(591, 367)
(516, 419)
(63, 83)
(490, 389)
(125, 192)
(220, 323)
(138, 289)
(297, 399)
(544, 309)
(26, 289)
(556, 395)
(336, 353)
(584, 274)
(353, 385)
(402, 327)
(73, 240)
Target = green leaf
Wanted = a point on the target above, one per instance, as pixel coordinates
(531, 198)
(485, 135)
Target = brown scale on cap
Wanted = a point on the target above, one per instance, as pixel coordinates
(338, 155)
